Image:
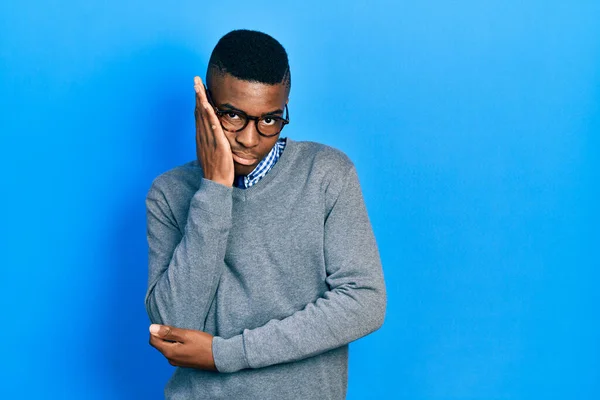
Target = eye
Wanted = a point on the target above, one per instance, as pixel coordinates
(268, 121)
(232, 115)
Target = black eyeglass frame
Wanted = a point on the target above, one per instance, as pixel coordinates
(285, 120)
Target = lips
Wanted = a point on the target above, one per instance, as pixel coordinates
(243, 159)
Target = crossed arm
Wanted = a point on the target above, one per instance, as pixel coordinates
(185, 267)
(184, 271)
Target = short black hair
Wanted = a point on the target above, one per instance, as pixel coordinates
(251, 56)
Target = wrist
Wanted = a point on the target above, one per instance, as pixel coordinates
(221, 181)
(224, 183)
(214, 198)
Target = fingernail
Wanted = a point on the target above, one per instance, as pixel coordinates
(154, 328)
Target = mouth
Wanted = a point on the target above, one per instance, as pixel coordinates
(244, 160)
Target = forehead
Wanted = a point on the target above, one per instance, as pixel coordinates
(252, 97)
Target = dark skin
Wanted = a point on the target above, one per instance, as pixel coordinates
(183, 347)
(222, 155)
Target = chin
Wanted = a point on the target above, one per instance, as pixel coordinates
(243, 169)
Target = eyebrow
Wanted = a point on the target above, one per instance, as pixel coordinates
(231, 107)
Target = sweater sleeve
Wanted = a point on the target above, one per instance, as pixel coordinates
(352, 308)
(184, 266)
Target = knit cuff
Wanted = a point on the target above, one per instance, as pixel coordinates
(229, 354)
(214, 197)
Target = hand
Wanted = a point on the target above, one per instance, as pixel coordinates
(212, 147)
(183, 347)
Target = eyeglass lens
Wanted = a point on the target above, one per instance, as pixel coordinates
(233, 121)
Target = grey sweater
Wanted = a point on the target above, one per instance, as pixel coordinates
(284, 274)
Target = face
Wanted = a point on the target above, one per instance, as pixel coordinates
(248, 146)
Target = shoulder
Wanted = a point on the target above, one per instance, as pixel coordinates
(324, 158)
(178, 182)
(328, 167)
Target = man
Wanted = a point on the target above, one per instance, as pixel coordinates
(263, 266)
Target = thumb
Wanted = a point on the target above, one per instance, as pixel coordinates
(166, 332)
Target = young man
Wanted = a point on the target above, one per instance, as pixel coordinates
(263, 265)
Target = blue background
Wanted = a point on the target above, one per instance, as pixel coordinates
(474, 127)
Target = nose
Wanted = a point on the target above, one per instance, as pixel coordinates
(249, 136)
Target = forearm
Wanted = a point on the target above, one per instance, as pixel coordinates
(343, 315)
(183, 281)
(354, 307)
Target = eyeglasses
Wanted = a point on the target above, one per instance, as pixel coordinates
(237, 120)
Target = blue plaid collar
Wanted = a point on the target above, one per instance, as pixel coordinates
(264, 166)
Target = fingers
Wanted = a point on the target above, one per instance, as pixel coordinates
(169, 341)
(201, 97)
(203, 112)
(166, 332)
(166, 339)
(199, 88)
(202, 100)
(212, 145)
(209, 127)
(212, 118)
(215, 125)
(168, 349)
(213, 133)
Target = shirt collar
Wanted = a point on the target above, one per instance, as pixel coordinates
(263, 166)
